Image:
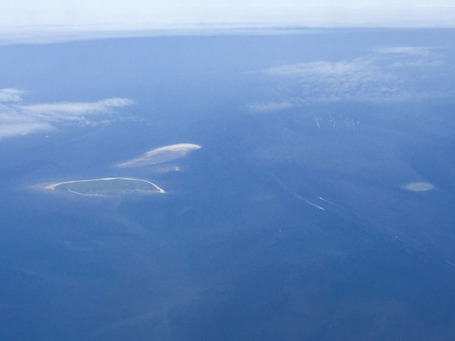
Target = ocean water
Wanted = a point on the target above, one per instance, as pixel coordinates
(291, 222)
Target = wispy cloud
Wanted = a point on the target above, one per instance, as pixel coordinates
(333, 81)
(319, 69)
(383, 74)
(405, 50)
(270, 106)
(11, 95)
(17, 118)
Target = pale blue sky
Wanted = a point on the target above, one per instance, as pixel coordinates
(31, 15)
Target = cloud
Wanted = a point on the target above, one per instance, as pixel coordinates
(38, 21)
(22, 128)
(406, 50)
(11, 95)
(270, 106)
(71, 109)
(333, 81)
(17, 118)
(383, 74)
(316, 69)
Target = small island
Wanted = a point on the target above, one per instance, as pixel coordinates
(419, 186)
(106, 187)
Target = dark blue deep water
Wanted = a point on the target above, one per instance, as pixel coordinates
(292, 222)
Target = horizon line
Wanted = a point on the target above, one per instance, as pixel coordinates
(48, 34)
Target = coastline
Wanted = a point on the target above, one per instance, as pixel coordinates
(54, 186)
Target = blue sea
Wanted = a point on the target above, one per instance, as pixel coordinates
(319, 207)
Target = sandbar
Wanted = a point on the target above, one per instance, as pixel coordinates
(160, 155)
(419, 186)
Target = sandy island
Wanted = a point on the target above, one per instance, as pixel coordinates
(106, 187)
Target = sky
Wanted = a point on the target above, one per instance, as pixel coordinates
(21, 16)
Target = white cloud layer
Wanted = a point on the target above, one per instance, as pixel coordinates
(103, 14)
(17, 118)
(44, 20)
(11, 95)
(384, 74)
